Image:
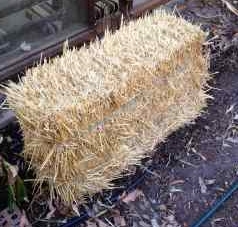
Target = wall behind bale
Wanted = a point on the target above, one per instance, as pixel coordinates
(91, 113)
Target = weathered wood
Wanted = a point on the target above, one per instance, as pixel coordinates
(91, 12)
(146, 7)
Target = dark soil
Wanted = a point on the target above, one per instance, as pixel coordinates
(197, 152)
(199, 162)
(193, 168)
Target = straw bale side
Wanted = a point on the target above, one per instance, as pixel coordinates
(93, 112)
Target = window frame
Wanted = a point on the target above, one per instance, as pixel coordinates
(18, 65)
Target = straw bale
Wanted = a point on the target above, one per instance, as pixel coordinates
(90, 114)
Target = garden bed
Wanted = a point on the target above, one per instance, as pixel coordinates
(190, 170)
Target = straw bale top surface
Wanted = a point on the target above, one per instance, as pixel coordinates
(103, 73)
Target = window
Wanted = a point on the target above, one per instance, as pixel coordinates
(28, 25)
(29, 28)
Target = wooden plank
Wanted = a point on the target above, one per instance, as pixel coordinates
(146, 7)
(91, 13)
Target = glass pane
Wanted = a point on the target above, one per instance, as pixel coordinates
(26, 25)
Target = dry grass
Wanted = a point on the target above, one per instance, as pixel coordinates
(91, 113)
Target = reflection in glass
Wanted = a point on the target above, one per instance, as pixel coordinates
(26, 25)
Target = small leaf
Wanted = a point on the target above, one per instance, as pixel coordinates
(202, 185)
(173, 189)
(13, 169)
(132, 196)
(210, 181)
(230, 109)
(20, 191)
(91, 224)
(12, 172)
(11, 197)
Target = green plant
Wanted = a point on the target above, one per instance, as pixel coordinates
(9, 178)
